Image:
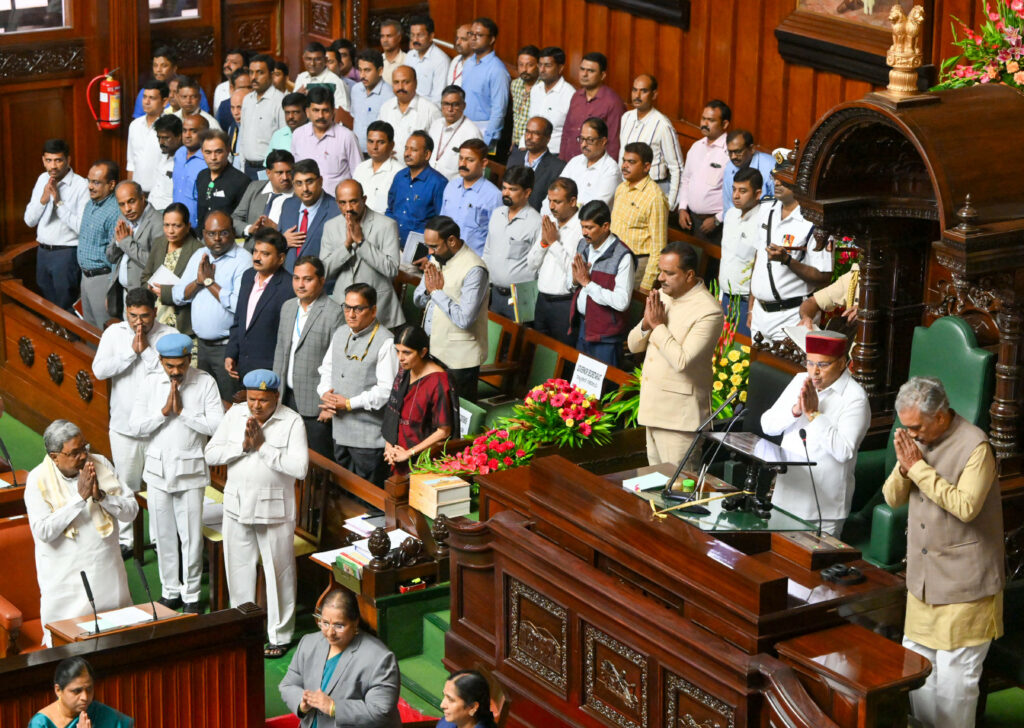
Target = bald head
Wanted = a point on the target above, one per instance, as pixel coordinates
(403, 83)
(191, 127)
(237, 97)
(351, 200)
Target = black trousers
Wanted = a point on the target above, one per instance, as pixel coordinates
(466, 382)
(318, 434)
(500, 304)
(58, 275)
(551, 317)
(366, 462)
(211, 360)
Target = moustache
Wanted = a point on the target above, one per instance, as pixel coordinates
(705, 128)
(463, 169)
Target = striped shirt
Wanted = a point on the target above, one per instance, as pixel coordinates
(640, 220)
(520, 108)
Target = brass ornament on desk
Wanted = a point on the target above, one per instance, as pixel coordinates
(904, 56)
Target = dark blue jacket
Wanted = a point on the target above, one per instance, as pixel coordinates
(290, 212)
(253, 347)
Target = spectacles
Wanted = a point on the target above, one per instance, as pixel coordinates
(77, 452)
(451, 104)
(354, 309)
(331, 626)
(588, 140)
(217, 233)
(819, 365)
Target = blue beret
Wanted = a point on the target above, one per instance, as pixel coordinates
(262, 379)
(174, 345)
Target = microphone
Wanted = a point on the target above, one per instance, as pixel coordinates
(145, 585)
(696, 439)
(88, 593)
(810, 470)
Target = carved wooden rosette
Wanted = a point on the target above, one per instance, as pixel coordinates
(26, 351)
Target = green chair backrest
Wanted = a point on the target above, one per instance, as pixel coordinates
(413, 313)
(543, 366)
(764, 389)
(493, 339)
(949, 351)
(476, 419)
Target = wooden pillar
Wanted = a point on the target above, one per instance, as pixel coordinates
(1006, 410)
(871, 321)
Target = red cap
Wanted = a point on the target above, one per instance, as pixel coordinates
(829, 343)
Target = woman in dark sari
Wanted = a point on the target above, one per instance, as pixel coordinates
(74, 685)
(422, 409)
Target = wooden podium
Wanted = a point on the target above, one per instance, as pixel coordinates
(590, 611)
(67, 631)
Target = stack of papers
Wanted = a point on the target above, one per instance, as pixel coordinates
(364, 524)
(645, 482)
(117, 619)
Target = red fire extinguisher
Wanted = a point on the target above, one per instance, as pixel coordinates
(110, 100)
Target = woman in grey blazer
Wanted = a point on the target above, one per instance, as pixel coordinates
(176, 244)
(341, 676)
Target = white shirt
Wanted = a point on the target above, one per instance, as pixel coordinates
(260, 487)
(454, 74)
(275, 207)
(210, 118)
(431, 67)
(377, 183)
(618, 297)
(656, 130)
(593, 182)
(419, 114)
(447, 139)
(792, 232)
(341, 95)
(261, 117)
(58, 224)
(59, 559)
(221, 93)
(174, 454)
(833, 439)
(117, 361)
(162, 193)
(144, 155)
(741, 235)
(553, 265)
(553, 105)
(385, 371)
(389, 68)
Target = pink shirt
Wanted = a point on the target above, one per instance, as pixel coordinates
(254, 296)
(336, 153)
(700, 189)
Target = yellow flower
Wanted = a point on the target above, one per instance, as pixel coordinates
(736, 380)
(717, 386)
(743, 396)
(569, 423)
(723, 376)
(586, 404)
(746, 363)
(736, 368)
(734, 355)
(745, 349)
(723, 362)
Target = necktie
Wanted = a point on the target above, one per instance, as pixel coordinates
(270, 203)
(303, 226)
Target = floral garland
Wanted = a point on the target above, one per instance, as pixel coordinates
(995, 55)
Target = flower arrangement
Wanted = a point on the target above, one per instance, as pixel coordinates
(731, 372)
(559, 413)
(995, 55)
(490, 452)
(846, 253)
(623, 404)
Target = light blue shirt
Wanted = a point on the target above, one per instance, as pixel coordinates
(212, 318)
(763, 163)
(486, 83)
(366, 109)
(96, 231)
(186, 169)
(471, 209)
(462, 314)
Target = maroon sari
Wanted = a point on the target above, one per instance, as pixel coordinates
(427, 406)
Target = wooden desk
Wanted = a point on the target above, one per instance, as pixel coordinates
(66, 631)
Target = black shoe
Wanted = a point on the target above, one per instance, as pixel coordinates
(127, 552)
(173, 603)
(191, 608)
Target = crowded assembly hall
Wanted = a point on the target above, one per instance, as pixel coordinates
(591, 363)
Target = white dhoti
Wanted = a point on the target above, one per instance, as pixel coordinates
(949, 697)
(128, 455)
(274, 544)
(175, 516)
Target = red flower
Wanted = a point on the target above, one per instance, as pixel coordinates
(492, 463)
(585, 429)
(508, 461)
(520, 453)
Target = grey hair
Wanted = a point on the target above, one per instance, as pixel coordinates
(131, 183)
(925, 394)
(57, 433)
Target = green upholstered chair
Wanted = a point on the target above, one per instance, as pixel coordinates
(543, 365)
(949, 351)
(476, 419)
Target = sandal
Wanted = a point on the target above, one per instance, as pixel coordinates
(273, 652)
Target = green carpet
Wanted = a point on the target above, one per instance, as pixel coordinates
(1004, 709)
(24, 444)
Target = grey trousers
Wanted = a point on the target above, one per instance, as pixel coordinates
(94, 299)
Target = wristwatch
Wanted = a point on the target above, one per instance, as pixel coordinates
(207, 282)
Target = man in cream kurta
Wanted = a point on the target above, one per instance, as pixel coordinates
(946, 472)
(680, 328)
(833, 410)
(126, 355)
(263, 443)
(74, 501)
(177, 409)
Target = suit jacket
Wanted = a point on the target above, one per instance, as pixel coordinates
(375, 262)
(364, 686)
(182, 314)
(324, 318)
(675, 386)
(547, 171)
(136, 246)
(252, 347)
(250, 207)
(290, 211)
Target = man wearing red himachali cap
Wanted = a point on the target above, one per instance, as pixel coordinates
(833, 409)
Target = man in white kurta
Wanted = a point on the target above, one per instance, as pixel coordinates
(832, 408)
(74, 501)
(177, 409)
(263, 443)
(125, 355)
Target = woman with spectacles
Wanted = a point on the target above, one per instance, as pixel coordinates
(422, 409)
(74, 684)
(341, 676)
(172, 251)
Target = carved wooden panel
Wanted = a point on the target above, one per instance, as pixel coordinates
(403, 12)
(253, 26)
(21, 63)
(687, 706)
(615, 680)
(320, 17)
(194, 46)
(538, 634)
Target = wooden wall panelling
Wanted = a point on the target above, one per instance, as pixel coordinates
(197, 42)
(255, 26)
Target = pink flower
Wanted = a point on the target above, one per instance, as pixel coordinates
(492, 463)
(484, 470)
(1018, 78)
(502, 433)
(1017, 5)
(586, 429)
(541, 397)
(520, 453)
(557, 400)
(993, 16)
(507, 460)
